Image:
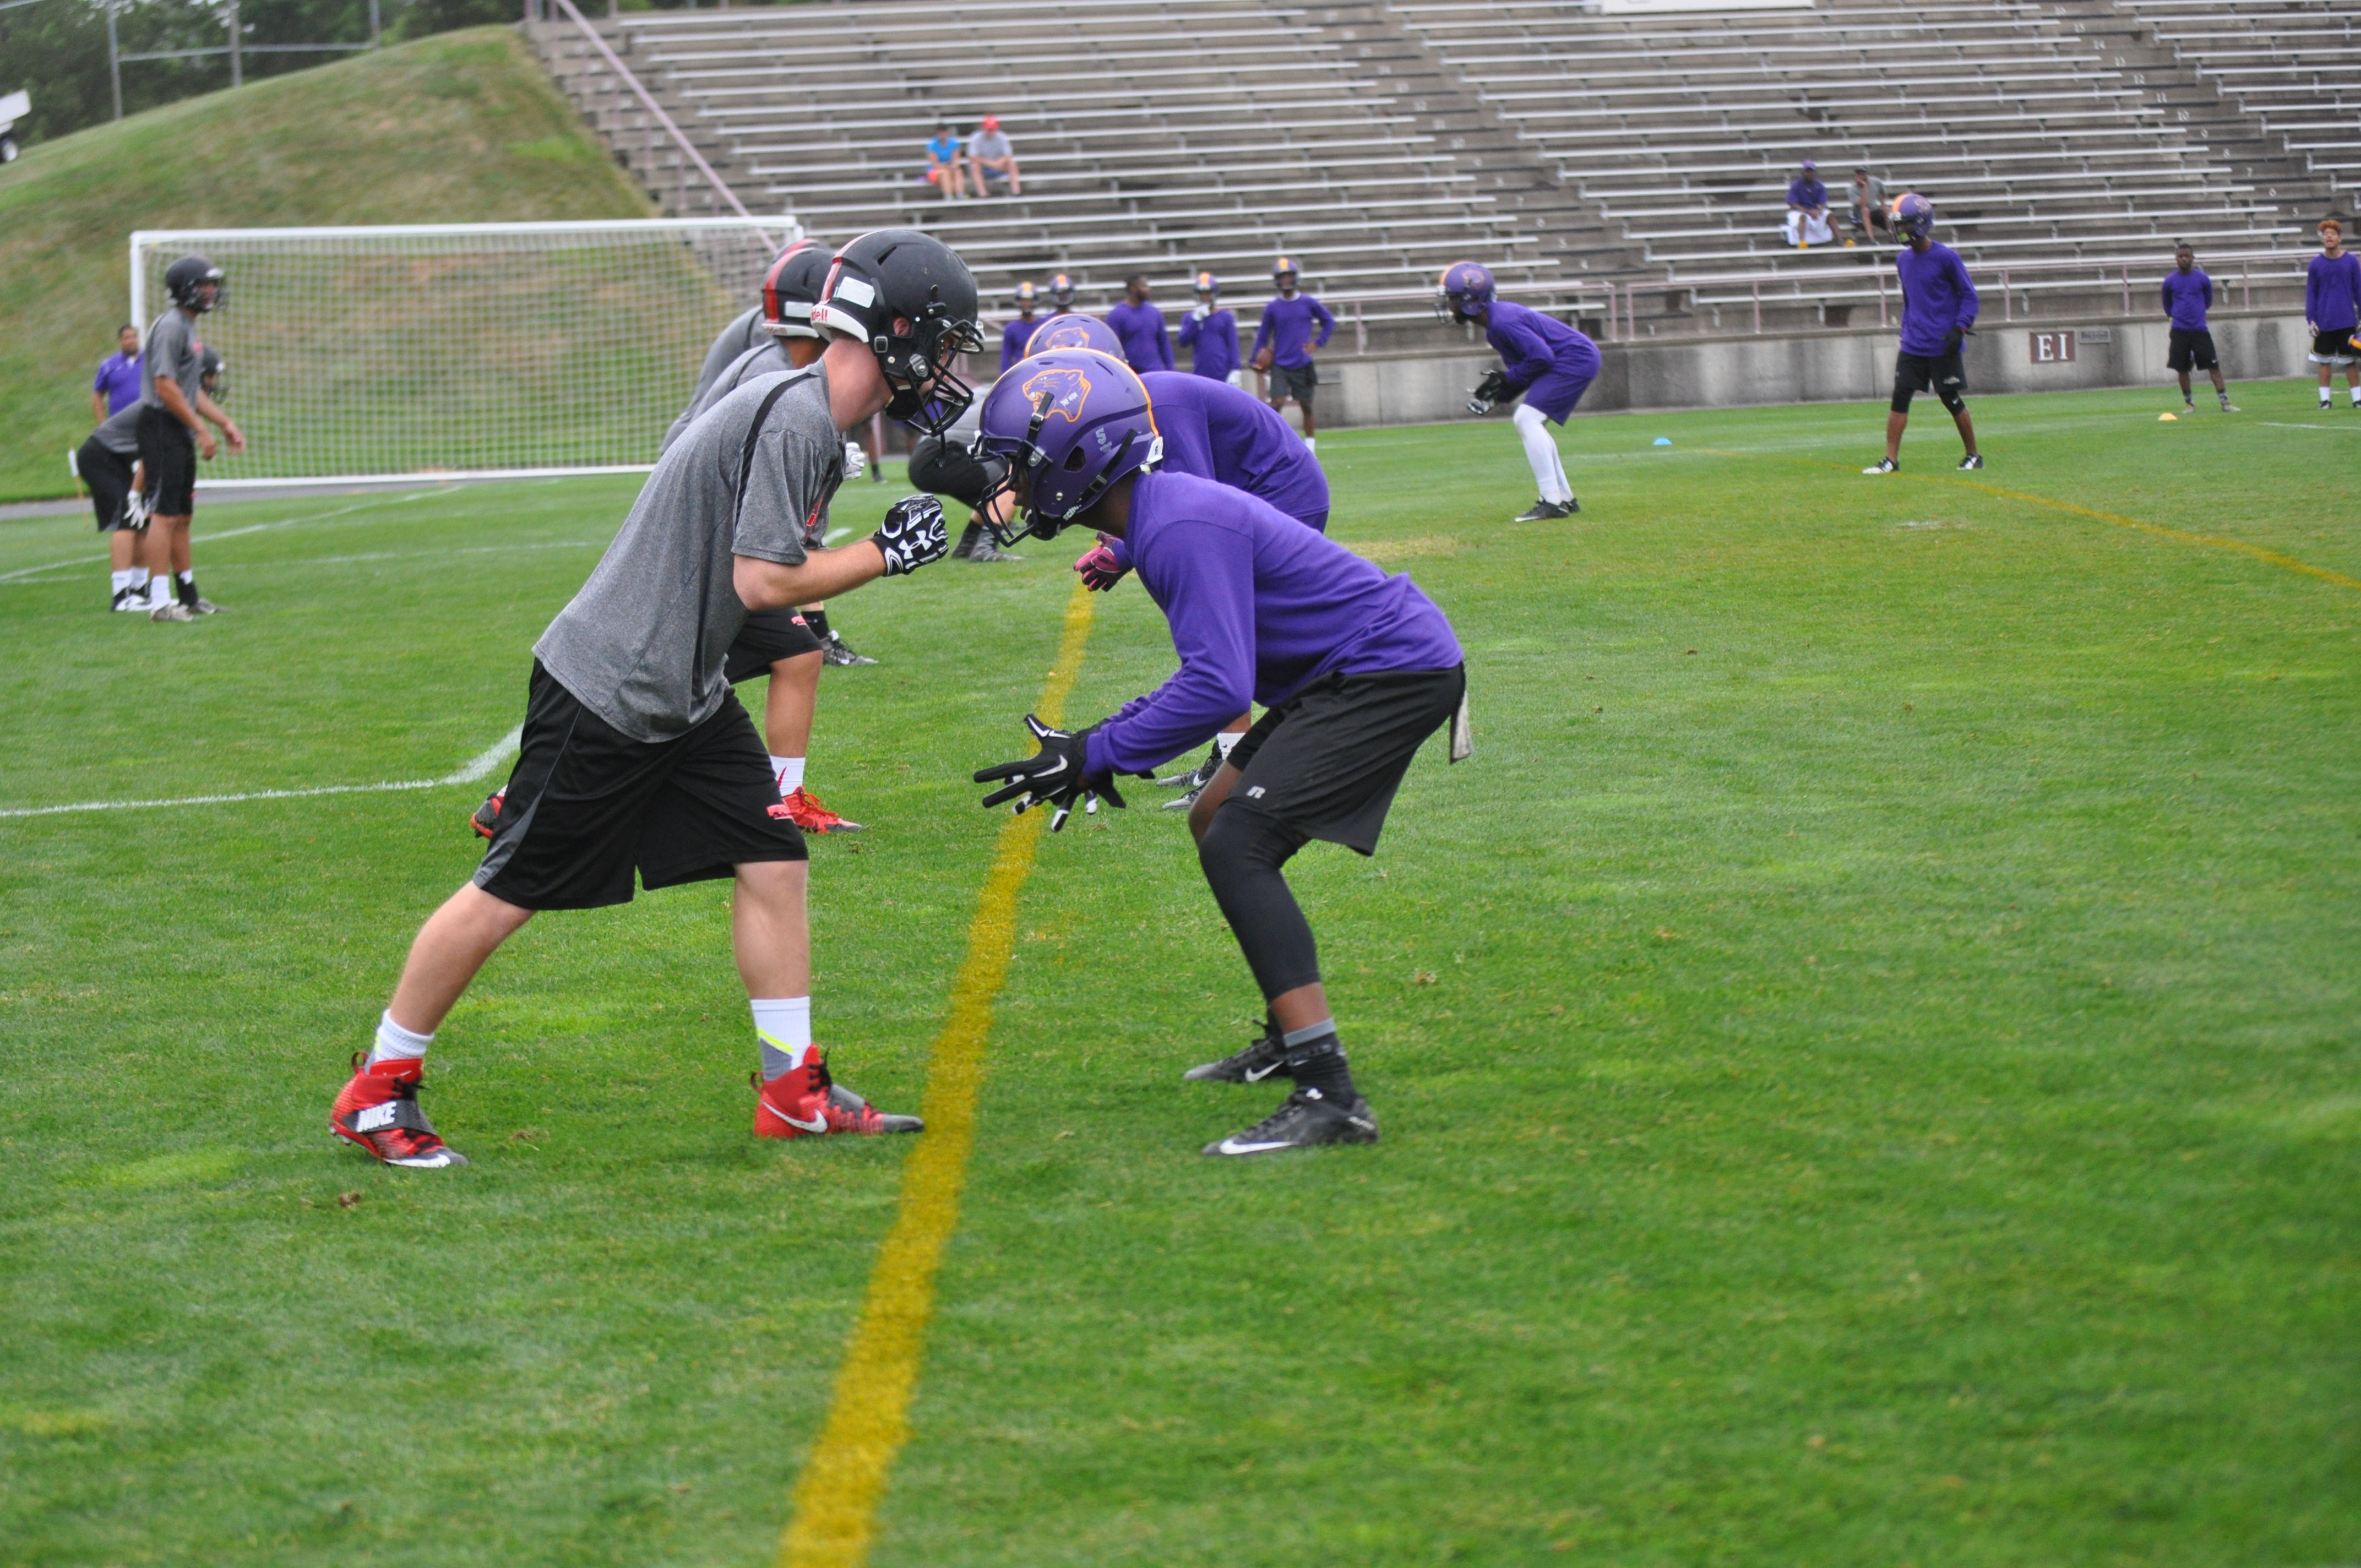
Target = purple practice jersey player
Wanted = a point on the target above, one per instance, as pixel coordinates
(1358, 669)
(1939, 311)
(2187, 293)
(2332, 309)
(1543, 361)
(1294, 327)
(1019, 333)
(1147, 346)
(1211, 334)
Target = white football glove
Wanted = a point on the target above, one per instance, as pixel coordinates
(856, 461)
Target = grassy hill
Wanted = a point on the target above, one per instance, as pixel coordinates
(456, 128)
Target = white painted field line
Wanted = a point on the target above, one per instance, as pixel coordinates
(477, 769)
(210, 537)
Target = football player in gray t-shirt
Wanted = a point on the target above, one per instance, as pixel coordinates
(173, 435)
(637, 761)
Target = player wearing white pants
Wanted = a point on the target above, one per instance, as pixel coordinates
(1543, 360)
(1540, 451)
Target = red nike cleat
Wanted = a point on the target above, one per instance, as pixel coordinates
(812, 817)
(378, 1110)
(487, 820)
(806, 1103)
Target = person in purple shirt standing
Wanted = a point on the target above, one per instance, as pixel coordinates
(116, 385)
(1225, 434)
(2332, 309)
(2187, 294)
(1547, 363)
(1939, 311)
(1019, 333)
(1358, 669)
(1284, 343)
(1145, 344)
(1210, 334)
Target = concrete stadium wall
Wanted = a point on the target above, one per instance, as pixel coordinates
(1821, 367)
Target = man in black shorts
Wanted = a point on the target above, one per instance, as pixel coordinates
(108, 462)
(1939, 312)
(173, 435)
(1359, 669)
(637, 757)
(2187, 294)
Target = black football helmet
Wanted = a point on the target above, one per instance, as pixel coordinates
(909, 297)
(791, 289)
(212, 373)
(184, 281)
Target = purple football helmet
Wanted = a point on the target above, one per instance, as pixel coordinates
(1074, 331)
(1913, 215)
(1466, 293)
(1073, 421)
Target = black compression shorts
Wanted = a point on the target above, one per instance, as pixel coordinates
(586, 806)
(1325, 763)
(769, 636)
(168, 448)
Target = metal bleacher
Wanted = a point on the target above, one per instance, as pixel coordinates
(2292, 66)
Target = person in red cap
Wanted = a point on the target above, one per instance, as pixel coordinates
(991, 159)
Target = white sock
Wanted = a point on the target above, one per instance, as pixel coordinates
(789, 772)
(782, 1027)
(1541, 453)
(395, 1043)
(2356, 397)
(1311, 444)
(1228, 742)
(139, 577)
(160, 590)
(122, 580)
(2323, 397)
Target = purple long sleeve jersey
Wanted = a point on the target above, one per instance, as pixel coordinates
(1213, 431)
(1531, 345)
(1287, 326)
(1015, 336)
(2186, 296)
(1260, 607)
(2331, 292)
(1938, 298)
(1212, 341)
(1146, 344)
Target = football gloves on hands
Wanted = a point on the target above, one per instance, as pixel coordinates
(912, 534)
(1053, 776)
(1099, 567)
(1489, 391)
(856, 461)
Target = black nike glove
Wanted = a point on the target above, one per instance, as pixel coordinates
(1955, 336)
(1053, 776)
(1487, 392)
(912, 534)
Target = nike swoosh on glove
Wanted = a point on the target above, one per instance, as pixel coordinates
(1052, 777)
(912, 534)
(1099, 567)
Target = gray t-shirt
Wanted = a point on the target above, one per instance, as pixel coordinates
(989, 144)
(120, 433)
(744, 333)
(644, 643)
(172, 342)
(762, 359)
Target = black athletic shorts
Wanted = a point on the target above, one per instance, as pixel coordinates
(586, 806)
(2334, 347)
(169, 450)
(108, 475)
(2190, 350)
(1944, 374)
(1297, 381)
(769, 636)
(1325, 763)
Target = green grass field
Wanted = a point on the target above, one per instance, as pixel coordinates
(1869, 1050)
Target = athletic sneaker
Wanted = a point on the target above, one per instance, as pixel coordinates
(1265, 1057)
(2231, 409)
(131, 601)
(1973, 460)
(1544, 511)
(1306, 1120)
(809, 814)
(985, 553)
(378, 1110)
(1884, 466)
(197, 604)
(164, 612)
(806, 1103)
(487, 819)
(1183, 801)
(1198, 777)
(835, 652)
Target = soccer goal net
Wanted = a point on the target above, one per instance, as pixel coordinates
(460, 349)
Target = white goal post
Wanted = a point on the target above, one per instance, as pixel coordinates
(460, 350)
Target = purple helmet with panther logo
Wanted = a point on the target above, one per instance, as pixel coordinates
(1072, 421)
(1466, 293)
(1913, 215)
(1075, 331)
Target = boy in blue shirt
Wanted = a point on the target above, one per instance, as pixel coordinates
(2187, 294)
(1211, 334)
(1141, 327)
(1284, 343)
(1358, 668)
(1939, 311)
(2331, 308)
(946, 161)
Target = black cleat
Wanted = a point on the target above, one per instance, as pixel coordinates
(1307, 1120)
(1544, 511)
(1266, 1058)
(836, 651)
(1884, 466)
(1973, 460)
(1198, 777)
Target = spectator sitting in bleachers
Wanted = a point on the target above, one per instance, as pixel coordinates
(1808, 208)
(990, 158)
(1146, 344)
(1211, 334)
(946, 165)
(1871, 220)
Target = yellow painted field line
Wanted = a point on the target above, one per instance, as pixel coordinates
(834, 1517)
(2215, 542)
